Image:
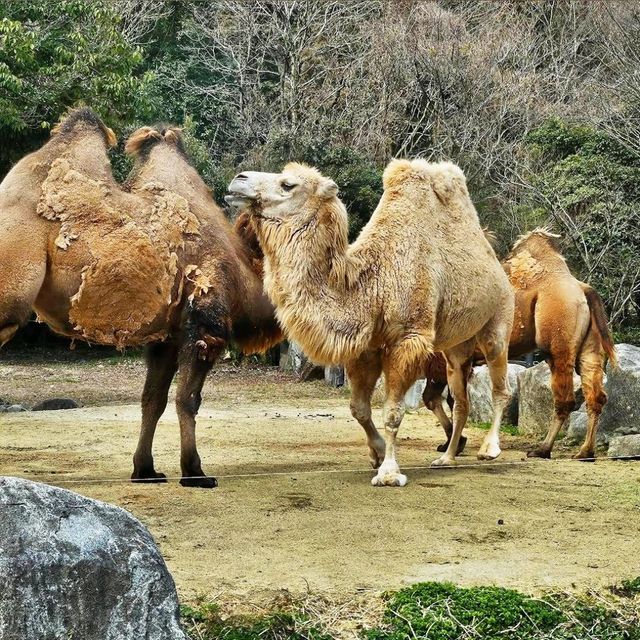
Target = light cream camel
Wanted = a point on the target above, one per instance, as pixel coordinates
(155, 263)
(420, 277)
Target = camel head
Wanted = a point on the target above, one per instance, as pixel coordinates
(295, 194)
(81, 121)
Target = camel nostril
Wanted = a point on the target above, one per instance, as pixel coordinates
(241, 176)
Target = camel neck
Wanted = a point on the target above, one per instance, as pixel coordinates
(305, 278)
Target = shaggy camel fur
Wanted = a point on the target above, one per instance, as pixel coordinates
(421, 277)
(560, 316)
(154, 263)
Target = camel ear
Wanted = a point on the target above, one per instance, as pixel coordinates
(327, 189)
(112, 141)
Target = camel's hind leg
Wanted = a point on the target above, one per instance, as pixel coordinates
(363, 374)
(592, 373)
(432, 398)
(562, 366)
(22, 276)
(459, 364)
(162, 363)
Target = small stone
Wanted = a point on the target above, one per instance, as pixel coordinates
(14, 408)
(55, 404)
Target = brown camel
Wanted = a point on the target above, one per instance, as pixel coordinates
(420, 277)
(558, 315)
(153, 263)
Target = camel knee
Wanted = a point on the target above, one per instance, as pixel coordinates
(360, 410)
(393, 417)
(595, 400)
(563, 407)
(189, 403)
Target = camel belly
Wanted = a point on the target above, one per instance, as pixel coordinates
(111, 300)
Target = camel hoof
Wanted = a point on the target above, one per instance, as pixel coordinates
(539, 452)
(462, 443)
(203, 482)
(375, 458)
(148, 477)
(389, 480)
(444, 461)
(490, 453)
(585, 456)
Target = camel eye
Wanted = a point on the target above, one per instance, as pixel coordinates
(287, 186)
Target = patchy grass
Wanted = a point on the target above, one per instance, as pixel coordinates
(204, 622)
(441, 611)
(511, 429)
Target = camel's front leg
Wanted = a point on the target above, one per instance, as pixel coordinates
(162, 362)
(495, 350)
(459, 364)
(363, 374)
(398, 381)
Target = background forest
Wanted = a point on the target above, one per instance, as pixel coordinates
(538, 101)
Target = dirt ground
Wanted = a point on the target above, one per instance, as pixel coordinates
(295, 508)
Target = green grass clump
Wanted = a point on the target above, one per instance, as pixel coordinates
(511, 429)
(442, 611)
(204, 622)
(627, 588)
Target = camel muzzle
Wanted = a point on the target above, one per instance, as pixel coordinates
(240, 194)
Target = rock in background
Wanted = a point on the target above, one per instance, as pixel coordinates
(55, 404)
(413, 397)
(334, 376)
(293, 360)
(621, 414)
(535, 405)
(481, 403)
(625, 447)
(72, 567)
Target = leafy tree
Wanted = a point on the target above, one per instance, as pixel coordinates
(55, 54)
(588, 184)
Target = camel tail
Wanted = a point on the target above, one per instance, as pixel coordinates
(600, 323)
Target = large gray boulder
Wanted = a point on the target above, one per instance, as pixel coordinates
(621, 414)
(480, 398)
(294, 360)
(72, 567)
(535, 399)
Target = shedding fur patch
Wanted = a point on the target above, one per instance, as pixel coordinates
(131, 279)
(524, 270)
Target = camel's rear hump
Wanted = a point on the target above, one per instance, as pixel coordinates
(446, 178)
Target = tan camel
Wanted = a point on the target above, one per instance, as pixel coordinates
(420, 277)
(560, 316)
(156, 263)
